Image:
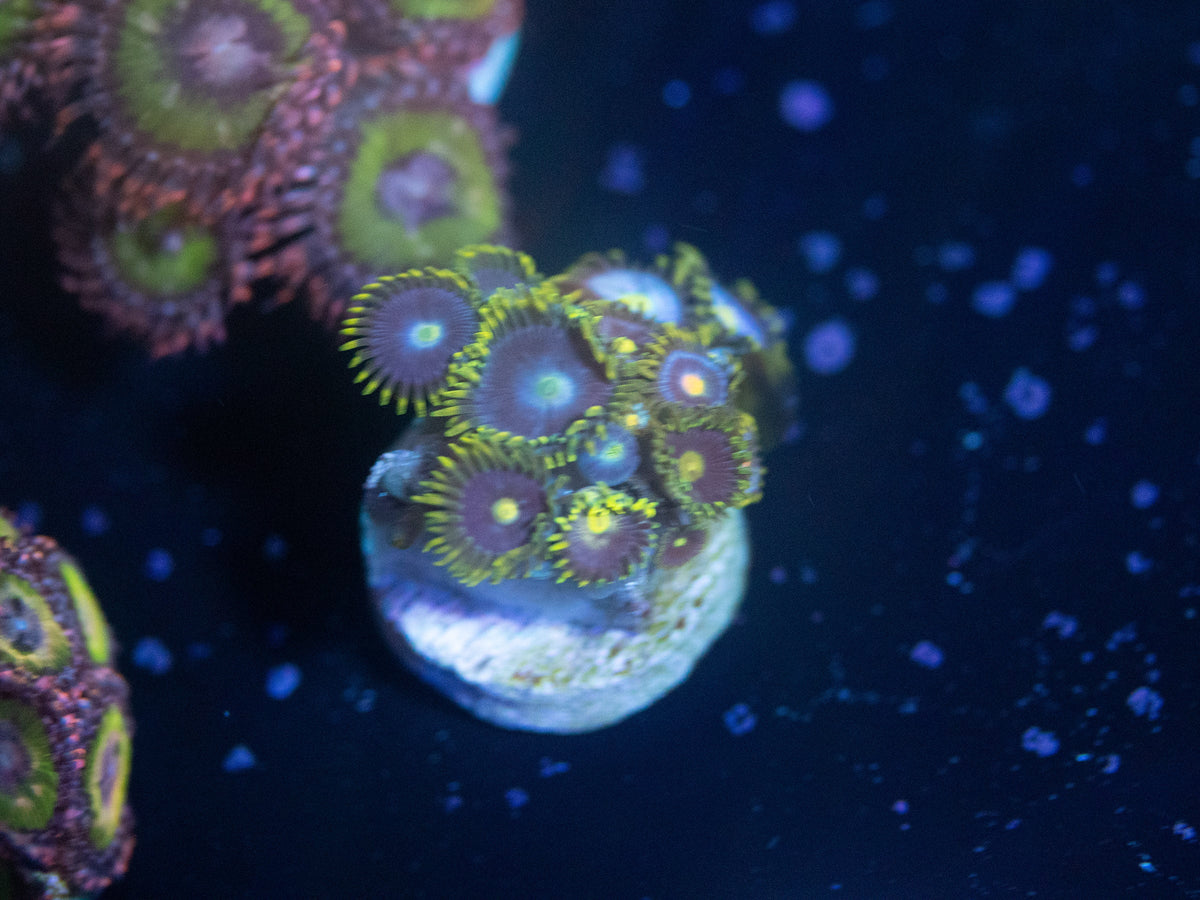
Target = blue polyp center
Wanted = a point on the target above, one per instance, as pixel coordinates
(17, 627)
(14, 758)
(552, 390)
(426, 335)
(611, 452)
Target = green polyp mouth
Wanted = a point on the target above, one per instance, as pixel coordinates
(30, 637)
(162, 257)
(469, 206)
(426, 335)
(28, 781)
(107, 776)
(461, 10)
(173, 108)
(553, 389)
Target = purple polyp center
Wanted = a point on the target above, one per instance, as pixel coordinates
(14, 758)
(110, 765)
(226, 49)
(19, 625)
(416, 189)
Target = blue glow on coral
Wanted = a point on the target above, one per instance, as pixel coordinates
(487, 78)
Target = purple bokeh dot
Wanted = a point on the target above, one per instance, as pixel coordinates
(773, 17)
(282, 680)
(994, 299)
(739, 719)
(805, 105)
(159, 564)
(1143, 494)
(152, 654)
(829, 347)
(1043, 743)
(239, 759)
(624, 170)
(1030, 268)
(821, 250)
(1027, 395)
(927, 654)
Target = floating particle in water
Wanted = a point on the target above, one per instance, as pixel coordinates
(778, 575)
(1043, 743)
(1081, 337)
(1096, 433)
(624, 170)
(1131, 296)
(153, 655)
(1184, 831)
(365, 702)
(821, 250)
(1145, 702)
(955, 256)
(1061, 623)
(1143, 494)
(239, 759)
(282, 680)
(1030, 268)
(900, 807)
(972, 398)
(773, 17)
(211, 537)
(1124, 635)
(677, 93)
(452, 803)
(94, 521)
(1137, 563)
(829, 347)
(926, 654)
(275, 548)
(993, 299)
(516, 798)
(861, 284)
(739, 719)
(1027, 395)
(548, 768)
(805, 105)
(159, 564)
(1112, 763)
(1106, 274)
